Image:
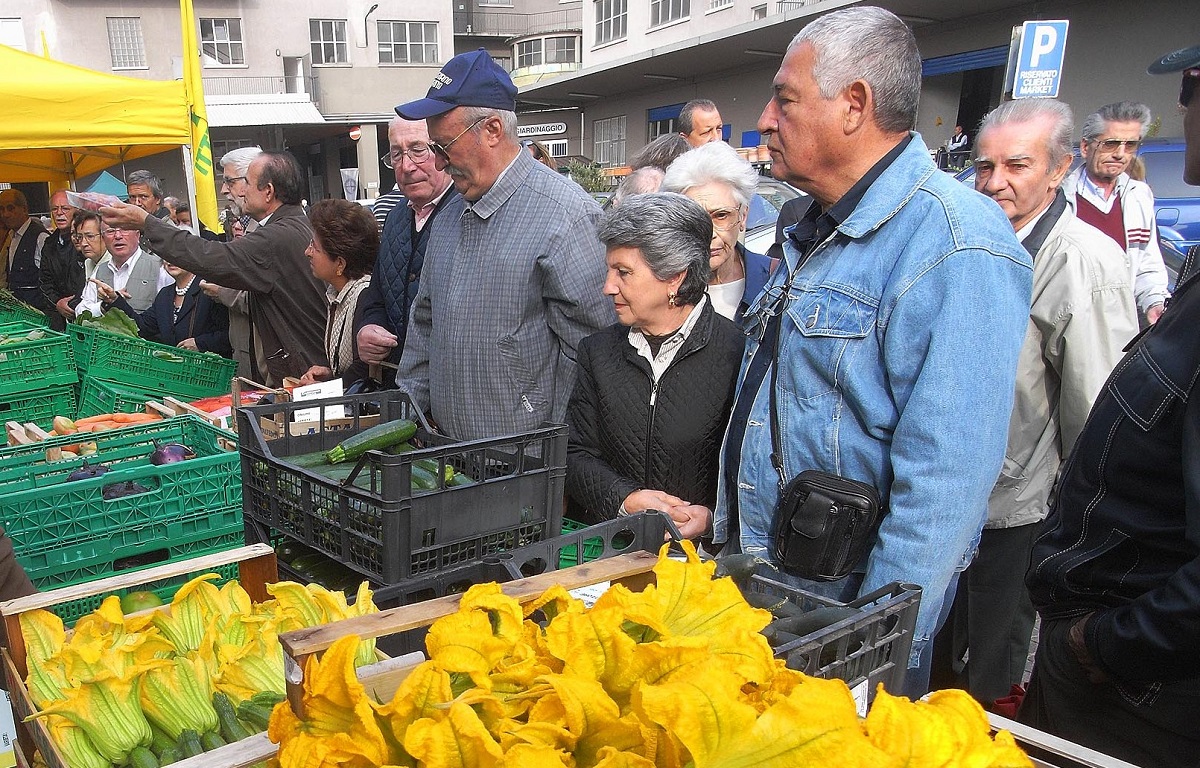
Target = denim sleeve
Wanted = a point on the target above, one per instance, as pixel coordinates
(1157, 636)
(950, 345)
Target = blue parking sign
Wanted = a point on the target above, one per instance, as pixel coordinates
(1040, 59)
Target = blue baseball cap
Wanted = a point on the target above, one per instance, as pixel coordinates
(1184, 58)
(468, 80)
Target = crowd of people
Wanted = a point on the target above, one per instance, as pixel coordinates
(974, 358)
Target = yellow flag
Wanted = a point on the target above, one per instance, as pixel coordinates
(202, 159)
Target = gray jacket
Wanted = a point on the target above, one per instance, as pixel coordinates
(1082, 316)
(142, 286)
(510, 285)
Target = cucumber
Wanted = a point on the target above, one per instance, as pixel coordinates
(308, 460)
(377, 438)
(231, 729)
(140, 757)
(459, 480)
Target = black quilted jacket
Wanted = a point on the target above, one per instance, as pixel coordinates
(620, 443)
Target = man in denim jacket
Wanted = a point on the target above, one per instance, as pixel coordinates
(899, 340)
(1115, 570)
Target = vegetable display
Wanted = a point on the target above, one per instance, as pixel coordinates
(148, 689)
(376, 438)
(113, 321)
(676, 675)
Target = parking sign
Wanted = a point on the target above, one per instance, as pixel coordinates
(1040, 59)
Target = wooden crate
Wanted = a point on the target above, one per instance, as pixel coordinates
(256, 568)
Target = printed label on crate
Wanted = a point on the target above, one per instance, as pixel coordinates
(589, 595)
(862, 696)
(8, 733)
(318, 391)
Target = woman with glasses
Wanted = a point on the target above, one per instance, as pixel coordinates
(342, 253)
(723, 184)
(653, 392)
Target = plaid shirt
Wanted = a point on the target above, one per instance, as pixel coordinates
(510, 285)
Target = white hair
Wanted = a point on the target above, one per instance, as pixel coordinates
(713, 162)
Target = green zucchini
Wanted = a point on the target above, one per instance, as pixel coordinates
(377, 438)
(160, 741)
(189, 743)
(423, 479)
(140, 757)
(211, 740)
(169, 755)
(308, 460)
(231, 729)
(255, 714)
(459, 480)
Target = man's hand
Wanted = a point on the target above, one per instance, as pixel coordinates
(1154, 313)
(375, 343)
(188, 344)
(644, 499)
(1078, 646)
(104, 291)
(64, 308)
(692, 520)
(315, 374)
(124, 216)
(210, 289)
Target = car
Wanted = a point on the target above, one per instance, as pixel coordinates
(1176, 204)
(764, 212)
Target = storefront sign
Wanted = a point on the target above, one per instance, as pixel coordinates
(541, 129)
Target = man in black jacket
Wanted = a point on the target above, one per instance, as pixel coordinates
(287, 304)
(384, 303)
(1115, 571)
(61, 274)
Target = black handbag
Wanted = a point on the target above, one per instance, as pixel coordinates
(823, 523)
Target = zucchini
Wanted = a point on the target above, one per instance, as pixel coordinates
(211, 740)
(189, 743)
(255, 714)
(268, 699)
(169, 755)
(423, 479)
(140, 757)
(459, 480)
(288, 550)
(308, 460)
(160, 741)
(377, 438)
(231, 729)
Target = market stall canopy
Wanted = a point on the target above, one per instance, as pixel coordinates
(107, 184)
(59, 121)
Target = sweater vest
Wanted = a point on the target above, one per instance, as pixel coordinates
(23, 272)
(1111, 223)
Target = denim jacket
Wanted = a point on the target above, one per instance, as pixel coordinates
(898, 364)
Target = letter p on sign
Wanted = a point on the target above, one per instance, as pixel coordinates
(1044, 39)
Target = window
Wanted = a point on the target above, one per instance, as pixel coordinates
(221, 42)
(504, 3)
(717, 4)
(556, 147)
(758, 12)
(662, 128)
(547, 50)
(611, 16)
(221, 148)
(12, 33)
(608, 137)
(125, 42)
(666, 11)
(408, 42)
(529, 53)
(328, 38)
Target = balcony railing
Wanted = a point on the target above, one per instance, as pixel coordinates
(480, 22)
(262, 86)
(785, 6)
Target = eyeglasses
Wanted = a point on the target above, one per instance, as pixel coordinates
(60, 208)
(725, 219)
(230, 180)
(417, 153)
(1188, 86)
(114, 232)
(443, 150)
(1112, 145)
(10, 206)
(79, 237)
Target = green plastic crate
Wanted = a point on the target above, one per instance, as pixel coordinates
(147, 365)
(33, 365)
(41, 510)
(13, 309)
(38, 407)
(98, 396)
(592, 548)
(74, 610)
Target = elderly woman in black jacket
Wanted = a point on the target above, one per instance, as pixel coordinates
(654, 392)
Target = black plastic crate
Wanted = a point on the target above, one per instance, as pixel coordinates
(873, 647)
(373, 521)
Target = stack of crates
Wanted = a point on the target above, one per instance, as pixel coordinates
(37, 374)
(134, 515)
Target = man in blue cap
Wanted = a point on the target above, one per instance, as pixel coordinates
(1115, 570)
(513, 269)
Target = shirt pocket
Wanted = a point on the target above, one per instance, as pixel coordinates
(1142, 393)
(835, 326)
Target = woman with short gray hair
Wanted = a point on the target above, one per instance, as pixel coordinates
(723, 184)
(653, 392)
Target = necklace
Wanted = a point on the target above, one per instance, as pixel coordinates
(183, 291)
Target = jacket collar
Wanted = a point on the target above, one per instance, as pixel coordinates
(697, 339)
(893, 189)
(512, 179)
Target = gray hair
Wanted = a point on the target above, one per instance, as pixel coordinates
(672, 233)
(686, 125)
(639, 182)
(239, 159)
(1058, 142)
(1120, 112)
(148, 179)
(661, 152)
(715, 162)
(870, 44)
(18, 197)
(507, 118)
